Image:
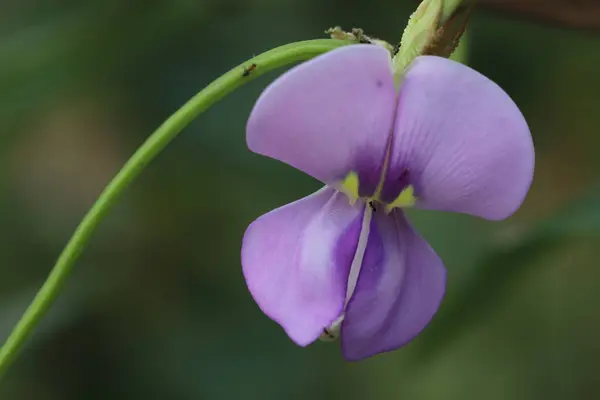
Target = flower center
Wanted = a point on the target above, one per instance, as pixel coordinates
(350, 187)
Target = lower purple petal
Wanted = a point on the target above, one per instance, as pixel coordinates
(399, 289)
(296, 261)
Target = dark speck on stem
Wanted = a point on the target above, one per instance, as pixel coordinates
(248, 70)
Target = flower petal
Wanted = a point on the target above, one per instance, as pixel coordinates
(400, 286)
(460, 141)
(329, 116)
(296, 261)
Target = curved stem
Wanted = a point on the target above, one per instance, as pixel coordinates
(231, 80)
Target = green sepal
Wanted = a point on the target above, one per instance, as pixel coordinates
(435, 28)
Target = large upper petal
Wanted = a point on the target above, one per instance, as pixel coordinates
(399, 289)
(329, 116)
(296, 261)
(460, 141)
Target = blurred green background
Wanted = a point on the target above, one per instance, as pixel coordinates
(158, 308)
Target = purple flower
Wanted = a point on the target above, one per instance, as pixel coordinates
(345, 260)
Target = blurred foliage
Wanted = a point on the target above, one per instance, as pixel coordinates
(158, 307)
(499, 269)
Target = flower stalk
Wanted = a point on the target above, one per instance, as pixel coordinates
(156, 142)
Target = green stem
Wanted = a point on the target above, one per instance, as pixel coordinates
(231, 80)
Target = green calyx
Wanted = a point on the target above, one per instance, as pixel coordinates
(435, 28)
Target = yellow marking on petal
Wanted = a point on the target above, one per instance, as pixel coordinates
(350, 187)
(405, 199)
